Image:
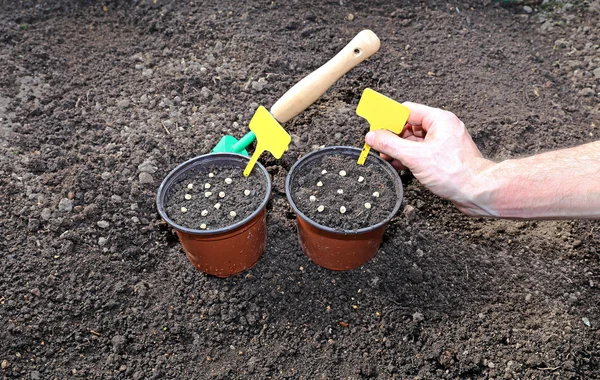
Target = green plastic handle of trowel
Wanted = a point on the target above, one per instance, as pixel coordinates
(243, 142)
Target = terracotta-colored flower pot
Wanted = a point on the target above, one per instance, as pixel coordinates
(225, 251)
(340, 249)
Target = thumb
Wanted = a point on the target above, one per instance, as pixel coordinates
(393, 145)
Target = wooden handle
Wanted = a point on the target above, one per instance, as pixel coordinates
(309, 89)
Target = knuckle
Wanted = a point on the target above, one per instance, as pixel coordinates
(450, 116)
(453, 120)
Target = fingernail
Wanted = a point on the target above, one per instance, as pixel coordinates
(369, 138)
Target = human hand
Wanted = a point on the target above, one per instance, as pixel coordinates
(438, 150)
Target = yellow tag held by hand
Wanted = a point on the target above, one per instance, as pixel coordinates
(270, 136)
(382, 113)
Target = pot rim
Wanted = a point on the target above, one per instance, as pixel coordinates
(182, 168)
(345, 150)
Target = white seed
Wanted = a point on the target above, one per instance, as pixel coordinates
(246, 192)
(188, 196)
(367, 205)
(232, 214)
(217, 206)
(222, 194)
(207, 185)
(203, 226)
(324, 171)
(342, 209)
(207, 194)
(343, 173)
(340, 191)
(319, 183)
(211, 175)
(204, 212)
(190, 186)
(228, 180)
(376, 194)
(320, 208)
(361, 178)
(312, 198)
(183, 209)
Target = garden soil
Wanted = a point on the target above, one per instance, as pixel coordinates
(100, 100)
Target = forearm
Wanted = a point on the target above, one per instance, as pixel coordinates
(561, 184)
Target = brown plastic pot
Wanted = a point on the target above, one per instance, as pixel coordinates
(333, 248)
(228, 250)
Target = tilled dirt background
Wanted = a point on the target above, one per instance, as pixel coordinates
(100, 100)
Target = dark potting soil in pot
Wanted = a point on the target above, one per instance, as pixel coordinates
(203, 207)
(367, 192)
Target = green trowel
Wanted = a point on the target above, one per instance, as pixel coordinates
(230, 144)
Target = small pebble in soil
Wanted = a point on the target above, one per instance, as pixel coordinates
(207, 185)
(207, 194)
(65, 205)
(342, 173)
(321, 208)
(246, 192)
(232, 214)
(203, 226)
(343, 210)
(146, 178)
(312, 198)
(188, 196)
(361, 178)
(340, 191)
(324, 171)
(320, 184)
(228, 180)
(184, 209)
(367, 205)
(376, 194)
(204, 212)
(190, 186)
(211, 175)
(217, 206)
(222, 194)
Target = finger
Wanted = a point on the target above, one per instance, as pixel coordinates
(395, 163)
(418, 113)
(390, 144)
(398, 165)
(411, 132)
(418, 131)
(406, 131)
(412, 137)
(386, 157)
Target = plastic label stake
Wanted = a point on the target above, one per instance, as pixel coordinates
(382, 113)
(270, 136)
